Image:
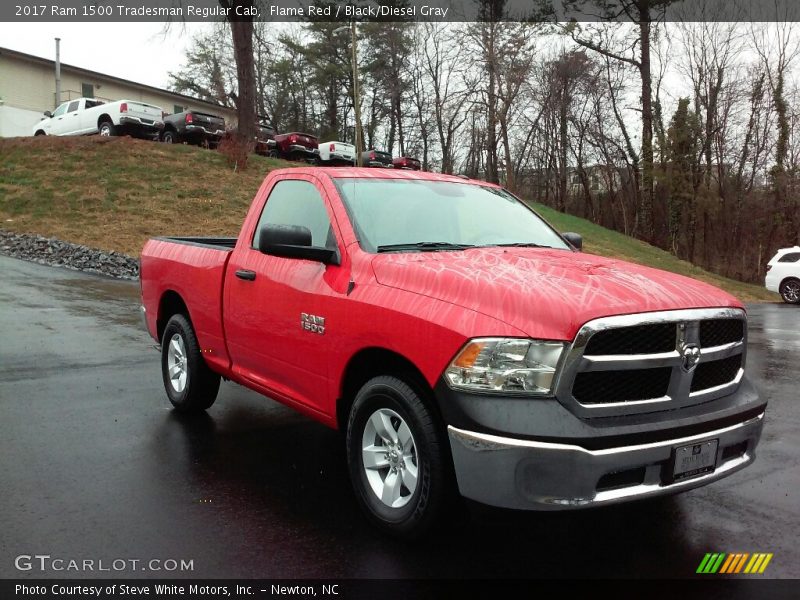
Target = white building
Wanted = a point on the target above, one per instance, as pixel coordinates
(28, 88)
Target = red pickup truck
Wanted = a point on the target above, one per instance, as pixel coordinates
(460, 342)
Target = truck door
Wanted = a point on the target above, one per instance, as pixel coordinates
(70, 124)
(273, 306)
(54, 125)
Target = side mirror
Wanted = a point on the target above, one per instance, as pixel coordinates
(575, 239)
(47, 114)
(293, 241)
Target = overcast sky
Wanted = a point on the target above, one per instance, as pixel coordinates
(141, 52)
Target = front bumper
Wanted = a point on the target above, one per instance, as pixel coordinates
(525, 474)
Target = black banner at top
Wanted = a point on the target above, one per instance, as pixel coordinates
(397, 10)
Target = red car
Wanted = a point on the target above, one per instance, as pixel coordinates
(302, 147)
(405, 162)
(460, 342)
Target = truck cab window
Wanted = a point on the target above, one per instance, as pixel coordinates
(295, 202)
(60, 110)
(73, 106)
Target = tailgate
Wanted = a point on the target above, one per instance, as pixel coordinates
(146, 112)
(210, 122)
(346, 148)
(307, 140)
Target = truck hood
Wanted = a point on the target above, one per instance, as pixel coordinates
(547, 294)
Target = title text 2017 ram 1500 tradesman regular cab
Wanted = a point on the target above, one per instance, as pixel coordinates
(460, 342)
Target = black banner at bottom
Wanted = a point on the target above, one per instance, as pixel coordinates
(387, 589)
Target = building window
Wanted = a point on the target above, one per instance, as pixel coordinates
(87, 90)
(177, 108)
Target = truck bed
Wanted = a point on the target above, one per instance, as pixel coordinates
(194, 269)
(217, 243)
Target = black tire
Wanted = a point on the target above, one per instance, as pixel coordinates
(107, 129)
(201, 384)
(790, 290)
(169, 137)
(40, 132)
(432, 487)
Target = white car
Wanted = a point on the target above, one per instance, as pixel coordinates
(337, 152)
(783, 274)
(86, 116)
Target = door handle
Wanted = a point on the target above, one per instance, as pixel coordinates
(246, 275)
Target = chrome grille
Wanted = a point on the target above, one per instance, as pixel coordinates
(716, 372)
(600, 387)
(638, 339)
(648, 362)
(716, 332)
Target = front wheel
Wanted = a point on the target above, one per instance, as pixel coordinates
(190, 385)
(790, 291)
(397, 457)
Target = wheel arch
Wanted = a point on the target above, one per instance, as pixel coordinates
(373, 362)
(103, 118)
(171, 303)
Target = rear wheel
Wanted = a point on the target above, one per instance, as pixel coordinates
(107, 129)
(397, 458)
(169, 137)
(190, 385)
(790, 291)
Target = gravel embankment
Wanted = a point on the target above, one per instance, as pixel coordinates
(53, 252)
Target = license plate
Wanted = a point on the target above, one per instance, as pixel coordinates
(695, 460)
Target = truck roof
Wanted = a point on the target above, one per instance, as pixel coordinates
(373, 173)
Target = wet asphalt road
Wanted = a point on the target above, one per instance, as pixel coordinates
(93, 464)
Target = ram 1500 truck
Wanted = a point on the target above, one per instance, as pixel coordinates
(297, 146)
(86, 116)
(461, 344)
(193, 127)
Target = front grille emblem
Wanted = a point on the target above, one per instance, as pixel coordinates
(690, 356)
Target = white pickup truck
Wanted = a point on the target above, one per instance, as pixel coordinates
(86, 116)
(337, 153)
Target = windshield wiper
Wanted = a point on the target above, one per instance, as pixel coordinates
(423, 247)
(517, 245)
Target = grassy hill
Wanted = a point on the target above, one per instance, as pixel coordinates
(114, 193)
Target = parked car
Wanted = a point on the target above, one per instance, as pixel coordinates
(86, 116)
(783, 274)
(297, 146)
(398, 308)
(405, 162)
(265, 139)
(193, 127)
(377, 158)
(337, 153)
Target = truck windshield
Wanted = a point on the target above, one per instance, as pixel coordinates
(403, 215)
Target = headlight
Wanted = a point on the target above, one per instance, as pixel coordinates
(506, 365)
